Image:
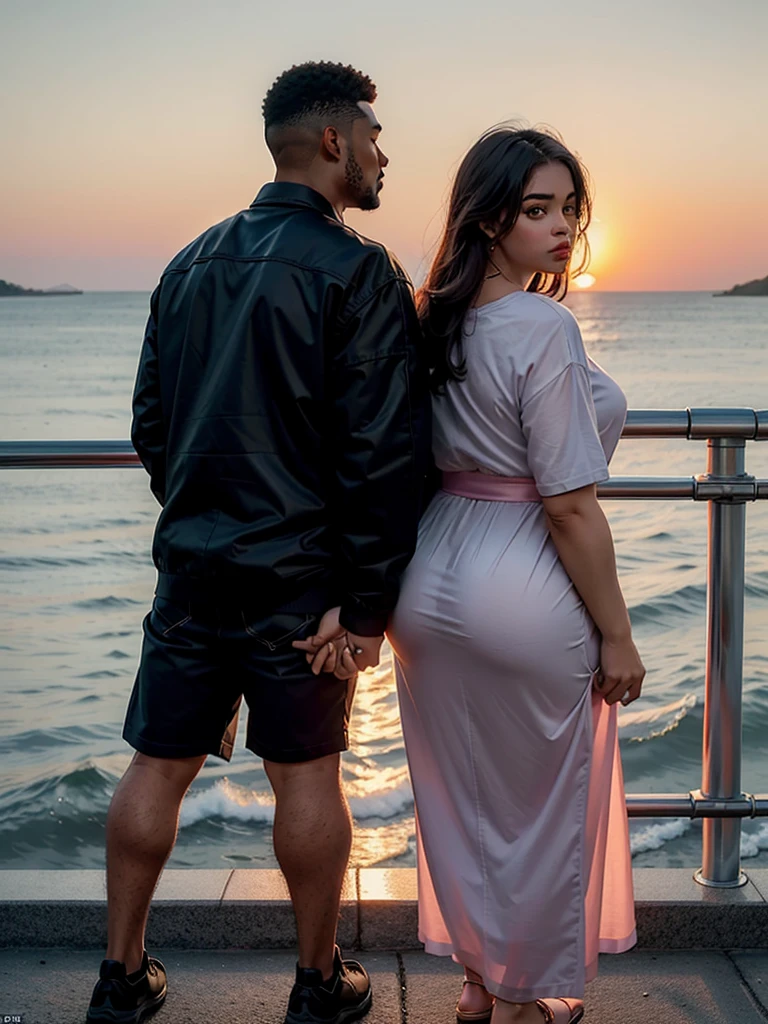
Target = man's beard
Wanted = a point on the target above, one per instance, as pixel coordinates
(367, 198)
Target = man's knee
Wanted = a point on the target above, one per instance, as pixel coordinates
(176, 772)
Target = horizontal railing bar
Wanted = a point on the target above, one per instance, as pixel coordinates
(67, 454)
(702, 488)
(694, 805)
(697, 424)
(657, 423)
(649, 487)
(119, 454)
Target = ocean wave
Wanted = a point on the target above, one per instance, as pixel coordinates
(753, 842)
(40, 561)
(102, 603)
(653, 837)
(228, 800)
(651, 723)
(383, 803)
(45, 739)
(83, 790)
(666, 608)
(688, 600)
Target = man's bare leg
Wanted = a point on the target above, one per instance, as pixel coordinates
(141, 830)
(312, 837)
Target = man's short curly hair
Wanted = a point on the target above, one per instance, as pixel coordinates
(313, 88)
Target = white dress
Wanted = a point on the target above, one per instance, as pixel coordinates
(524, 860)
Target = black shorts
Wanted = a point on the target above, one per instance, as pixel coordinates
(198, 661)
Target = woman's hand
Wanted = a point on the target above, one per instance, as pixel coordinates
(332, 649)
(621, 673)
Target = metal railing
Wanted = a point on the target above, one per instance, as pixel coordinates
(727, 487)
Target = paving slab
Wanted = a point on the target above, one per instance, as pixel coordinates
(256, 913)
(675, 912)
(388, 909)
(432, 985)
(636, 988)
(263, 884)
(674, 987)
(207, 884)
(752, 964)
(250, 909)
(759, 878)
(54, 986)
(677, 885)
(72, 884)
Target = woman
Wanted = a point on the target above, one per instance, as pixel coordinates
(512, 638)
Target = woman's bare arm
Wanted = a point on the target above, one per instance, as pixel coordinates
(582, 536)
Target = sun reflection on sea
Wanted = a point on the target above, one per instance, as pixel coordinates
(376, 777)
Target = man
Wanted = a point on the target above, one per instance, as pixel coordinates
(281, 409)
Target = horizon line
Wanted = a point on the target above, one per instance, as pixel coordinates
(572, 291)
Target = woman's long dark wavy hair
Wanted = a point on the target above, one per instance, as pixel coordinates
(489, 189)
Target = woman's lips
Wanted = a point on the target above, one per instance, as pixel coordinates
(562, 252)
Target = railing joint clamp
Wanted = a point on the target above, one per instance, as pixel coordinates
(726, 490)
(694, 796)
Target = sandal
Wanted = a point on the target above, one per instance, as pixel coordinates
(561, 1011)
(473, 1016)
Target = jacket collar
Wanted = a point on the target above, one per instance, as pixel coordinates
(290, 193)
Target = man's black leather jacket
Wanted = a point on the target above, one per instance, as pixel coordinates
(282, 411)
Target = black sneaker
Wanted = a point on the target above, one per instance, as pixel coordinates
(344, 997)
(122, 998)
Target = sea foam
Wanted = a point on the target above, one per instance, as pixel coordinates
(653, 837)
(753, 842)
(226, 799)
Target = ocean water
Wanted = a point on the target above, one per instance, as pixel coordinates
(76, 579)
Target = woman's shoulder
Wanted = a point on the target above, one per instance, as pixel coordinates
(550, 329)
(548, 312)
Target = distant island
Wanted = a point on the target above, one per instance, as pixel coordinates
(7, 290)
(750, 288)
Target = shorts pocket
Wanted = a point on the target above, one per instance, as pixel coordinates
(169, 616)
(277, 630)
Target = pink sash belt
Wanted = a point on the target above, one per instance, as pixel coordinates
(486, 487)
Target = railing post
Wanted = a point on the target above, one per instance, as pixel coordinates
(721, 761)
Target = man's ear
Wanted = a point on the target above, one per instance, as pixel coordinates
(331, 144)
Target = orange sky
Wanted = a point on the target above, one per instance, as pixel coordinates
(130, 128)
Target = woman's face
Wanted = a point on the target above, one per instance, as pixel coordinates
(542, 239)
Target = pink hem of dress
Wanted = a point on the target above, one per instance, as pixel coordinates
(609, 909)
(608, 947)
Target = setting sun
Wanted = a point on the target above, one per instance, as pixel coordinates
(584, 280)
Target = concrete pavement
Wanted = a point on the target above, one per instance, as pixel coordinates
(46, 986)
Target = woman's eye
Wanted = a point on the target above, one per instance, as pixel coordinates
(534, 211)
(569, 210)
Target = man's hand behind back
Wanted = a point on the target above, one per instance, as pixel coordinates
(333, 649)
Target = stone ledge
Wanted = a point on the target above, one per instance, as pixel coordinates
(250, 909)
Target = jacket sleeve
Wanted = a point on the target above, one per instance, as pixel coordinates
(382, 448)
(147, 427)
